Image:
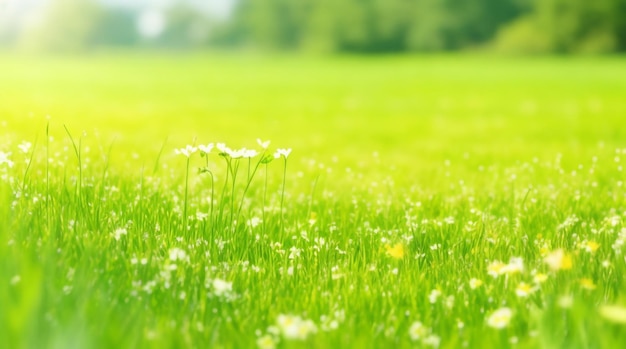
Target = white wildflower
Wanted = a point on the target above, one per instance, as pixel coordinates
(266, 342)
(294, 327)
(254, 222)
(25, 146)
(177, 254)
(206, 148)
(186, 151)
(4, 159)
(432, 340)
(117, 234)
(434, 295)
(263, 144)
(500, 318)
(222, 288)
(418, 330)
(282, 152)
(249, 153)
(294, 252)
(516, 265)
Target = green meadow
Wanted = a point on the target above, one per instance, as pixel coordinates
(441, 201)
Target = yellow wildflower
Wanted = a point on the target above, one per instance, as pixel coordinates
(397, 251)
(496, 268)
(266, 342)
(587, 283)
(559, 260)
(540, 278)
(475, 283)
(590, 246)
(524, 290)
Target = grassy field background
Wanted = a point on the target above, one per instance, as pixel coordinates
(409, 177)
(417, 103)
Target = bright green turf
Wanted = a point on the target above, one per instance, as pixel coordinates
(462, 161)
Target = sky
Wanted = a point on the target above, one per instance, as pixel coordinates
(12, 10)
(24, 13)
(217, 8)
(17, 11)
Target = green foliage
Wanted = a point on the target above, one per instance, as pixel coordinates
(185, 28)
(572, 24)
(374, 25)
(362, 26)
(115, 27)
(523, 36)
(567, 26)
(433, 25)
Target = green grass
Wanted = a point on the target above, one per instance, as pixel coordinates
(409, 177)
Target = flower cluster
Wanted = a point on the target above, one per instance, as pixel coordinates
(497, 268)
(419, 332)
(500, 318)
(289, 327)
(226, 151)
(558, 260)
(222, 289)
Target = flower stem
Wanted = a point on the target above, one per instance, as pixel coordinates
(186, 196)
(282, 197)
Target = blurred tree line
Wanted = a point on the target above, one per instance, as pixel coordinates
(366, 26)
(564, 26)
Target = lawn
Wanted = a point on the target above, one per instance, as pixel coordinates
(427, 201)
